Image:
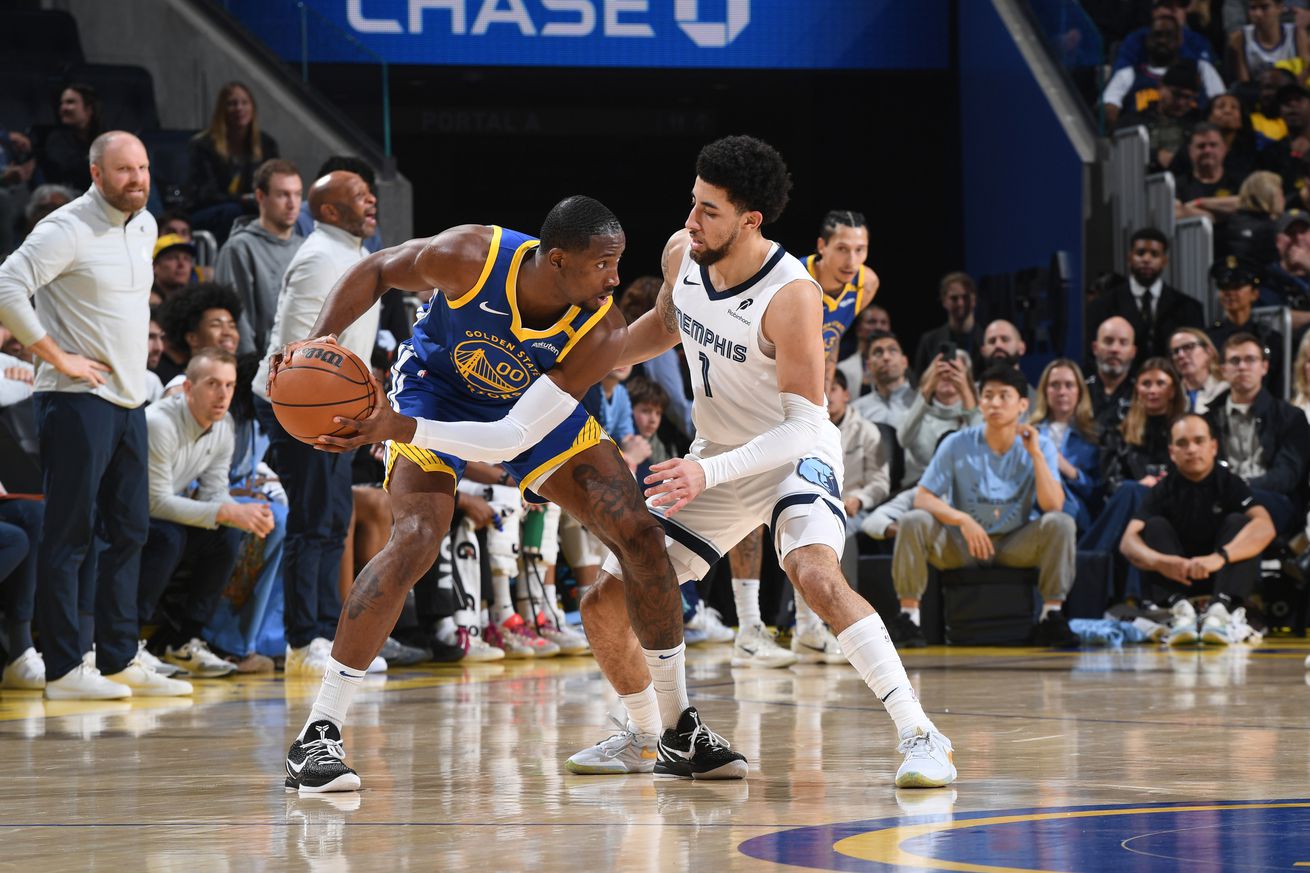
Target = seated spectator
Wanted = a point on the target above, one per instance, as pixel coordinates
(1155, 310)
(1266, 120)
(1207, 188)
(1265, 41)
(854, 347)
(1197, 362)
(175, 263)
(868, 463)
(1136, 49)
(45, 200)
(191, 441)
(21, 520)
(1168, 120)
(890, 399)
(1198, 531)
(176, 223)
(351, 164)
(1238, 294)
(1248, 233)
(256, 255)
(62, 151)
(615, 407)
(1287, 156)
(16, 374)
(959, 297)
(1287, 281)
(945, 402)
(1064, 416)
(1226, 114)
(649, 400)
(203, 316)
(1109, 389)
(16, 168)
(636, 300)
(223, 160)
(1301, 376)
(1002, 344)
(1262, 439)
(992, 494)
(154, 351)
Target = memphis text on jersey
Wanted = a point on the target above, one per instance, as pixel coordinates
(702, 335)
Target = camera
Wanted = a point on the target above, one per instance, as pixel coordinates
(948, 350)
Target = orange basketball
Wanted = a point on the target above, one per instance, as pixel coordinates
(321, 381)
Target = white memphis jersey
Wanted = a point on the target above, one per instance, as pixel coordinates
(733, 372)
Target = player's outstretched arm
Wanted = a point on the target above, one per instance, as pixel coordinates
(656, 332)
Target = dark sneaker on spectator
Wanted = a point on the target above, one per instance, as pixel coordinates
(905, 633)
(1053, 632)
(444, 652)
(400, 655)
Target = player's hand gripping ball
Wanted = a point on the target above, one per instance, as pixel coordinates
(317, 382)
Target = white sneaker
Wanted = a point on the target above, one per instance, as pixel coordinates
(929, 759)
(377, 665)
(755, 646)
(197, 659)
(569, 641)
(308, 661)
(476, 649)
(709, 621)
(1214, 624)
(85, 683)
(623, 752)
(1240, 631)
(27, 672)
(1182, 630)
(145, 657)
(816, 645)
(145, 682)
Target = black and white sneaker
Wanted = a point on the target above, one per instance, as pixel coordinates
(316, 762)
(693, 751)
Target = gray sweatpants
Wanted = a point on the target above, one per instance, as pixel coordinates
(1048, 544)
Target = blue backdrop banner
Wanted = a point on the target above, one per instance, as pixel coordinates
(793, 34)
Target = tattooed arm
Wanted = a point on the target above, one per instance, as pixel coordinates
(657, 331)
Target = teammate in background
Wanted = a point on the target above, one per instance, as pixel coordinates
(749, 317)
(848, 286)
(469, 386)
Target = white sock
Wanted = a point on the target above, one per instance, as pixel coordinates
(502, 605)
(668, 672)
(339, 686)
(446, 630)
(912, 613)
(643, 710)
(869, 649)
(551, 605)
(746, 594)
(1048, 608)
(806, 618)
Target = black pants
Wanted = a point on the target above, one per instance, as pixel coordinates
(1237, 580)
(319, 503)
(93, 456)
(211, 556)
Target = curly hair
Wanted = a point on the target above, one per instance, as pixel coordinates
(751, 171)
(572, 222)
(182, 313)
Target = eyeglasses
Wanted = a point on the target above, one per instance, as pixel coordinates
(1184, 348)
(1248, 360)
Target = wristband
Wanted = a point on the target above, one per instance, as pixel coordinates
(1223, 553)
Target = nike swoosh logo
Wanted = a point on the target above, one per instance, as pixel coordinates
(687, 281)
(349, 675)
(748, 651)
(665, 657)
(814, 648)
(296, 768)
(485, 308)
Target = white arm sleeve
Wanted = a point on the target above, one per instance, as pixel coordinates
(771, 449)
(541, 409)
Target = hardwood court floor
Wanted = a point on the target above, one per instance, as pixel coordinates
(1139, 759)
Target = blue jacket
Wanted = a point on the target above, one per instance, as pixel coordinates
(1132, 51)
(1080, 494)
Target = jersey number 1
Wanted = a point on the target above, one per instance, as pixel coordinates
(705, 373)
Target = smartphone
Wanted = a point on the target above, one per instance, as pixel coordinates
(948, 350)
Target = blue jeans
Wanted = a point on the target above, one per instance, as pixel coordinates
(242, 619)
(319, 503)
(94, 456)
(1108, 529)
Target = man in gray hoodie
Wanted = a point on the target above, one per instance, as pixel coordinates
(256, 255)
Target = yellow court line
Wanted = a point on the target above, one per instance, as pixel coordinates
(884, 846)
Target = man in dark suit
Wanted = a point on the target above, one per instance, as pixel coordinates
(1154, 309)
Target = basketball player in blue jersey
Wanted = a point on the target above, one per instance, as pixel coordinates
(749, 317)
(517, 331)
(848, 286)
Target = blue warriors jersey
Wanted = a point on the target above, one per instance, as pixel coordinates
(471, 358)
(839, 312)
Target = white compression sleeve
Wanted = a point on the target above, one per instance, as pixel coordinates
(541, 409)
(773, 448)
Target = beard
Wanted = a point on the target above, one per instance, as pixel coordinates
(124, 200)
(713, 256)
(1112, 367)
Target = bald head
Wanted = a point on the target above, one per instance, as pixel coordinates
(120, 169)
(1001, 339)
(342, 199)
(1114, 348)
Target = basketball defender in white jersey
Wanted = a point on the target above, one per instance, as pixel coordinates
(750, 319)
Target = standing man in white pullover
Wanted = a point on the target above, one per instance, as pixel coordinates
(88, 264)
(317, 483)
